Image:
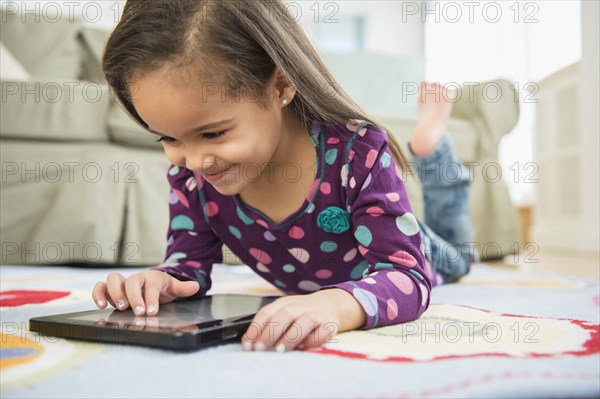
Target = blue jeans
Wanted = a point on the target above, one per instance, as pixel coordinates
(447, 232)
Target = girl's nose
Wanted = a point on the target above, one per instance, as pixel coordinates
(199, 162)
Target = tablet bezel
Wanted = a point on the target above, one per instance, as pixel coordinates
(226, 331)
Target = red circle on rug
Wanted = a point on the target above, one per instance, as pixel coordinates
(25, 297)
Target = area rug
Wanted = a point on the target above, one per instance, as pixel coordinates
(496, 333)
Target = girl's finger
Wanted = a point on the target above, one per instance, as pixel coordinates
(116, 290)
(321, 334)
(153, 286)
(296, 333)
(99, 294)
(133, 290)
(273, 329)
(253, 338)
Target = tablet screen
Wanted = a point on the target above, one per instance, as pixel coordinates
(185, 316)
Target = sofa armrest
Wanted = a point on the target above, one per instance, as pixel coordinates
(492, 106)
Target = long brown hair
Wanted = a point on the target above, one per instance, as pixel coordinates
(244, 41)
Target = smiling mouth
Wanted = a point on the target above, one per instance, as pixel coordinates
(217, 173)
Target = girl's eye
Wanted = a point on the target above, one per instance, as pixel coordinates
(212, 136)
(166, 139)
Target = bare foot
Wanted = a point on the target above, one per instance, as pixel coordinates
(435, 105)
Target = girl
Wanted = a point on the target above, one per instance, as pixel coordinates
(272, 158)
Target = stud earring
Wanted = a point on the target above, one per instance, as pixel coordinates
(285, 101)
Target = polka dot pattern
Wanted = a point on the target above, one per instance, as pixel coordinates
(371, 156)
(386, 160)
(394, 197)
(407, 224)
(260, 255)
(348, 256)
(331, 156)
(392, 309)
(424, 294)
(211, 208)
(182, 222)
(194, 264)
(324, 274)
(328, 246)
(402, 282)
(403, 258)
(181, 198)
(312, 190)
(262, 268)
(367, 300)
(363, 235)
(174, 170)
(363, 251)
(191, 184)
(300, 256)
(325, 188)
(243, 217)
(307, 285)
(269, 236)
(279, 284)
(382, 265)
(177, 255)
(367, 182)
(375, 211)
(288, 268)
(297, 233)
(358, 270)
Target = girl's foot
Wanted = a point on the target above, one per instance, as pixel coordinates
(435, 105)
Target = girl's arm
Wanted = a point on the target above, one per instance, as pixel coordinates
(192, 246)
(395, 287)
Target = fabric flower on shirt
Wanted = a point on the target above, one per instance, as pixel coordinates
(334, 220)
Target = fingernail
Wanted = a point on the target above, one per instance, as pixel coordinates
(151, 309)
(100, 302)
(246, 345)
(259, 346)
(121, 304)
(139, 310)
(280, 348)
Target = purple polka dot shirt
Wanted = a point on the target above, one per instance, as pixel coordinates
(355, 230)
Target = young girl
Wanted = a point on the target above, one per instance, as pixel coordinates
(270, 157)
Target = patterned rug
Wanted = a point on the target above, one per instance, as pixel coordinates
(497, 333)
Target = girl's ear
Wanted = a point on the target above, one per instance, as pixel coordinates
(285, 90)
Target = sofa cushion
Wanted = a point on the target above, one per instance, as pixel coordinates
(464, 135)
(93, 42)
(46, 46)
(54, 110)
(61, 202)
(10, 68)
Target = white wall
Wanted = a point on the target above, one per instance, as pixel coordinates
(388, 30)
(590, 122)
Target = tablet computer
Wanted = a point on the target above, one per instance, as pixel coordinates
(183, 325)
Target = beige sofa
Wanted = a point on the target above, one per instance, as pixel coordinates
(81, 183)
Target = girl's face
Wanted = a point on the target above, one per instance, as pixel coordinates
(237, 140)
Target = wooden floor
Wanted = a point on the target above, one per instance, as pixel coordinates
(579, 264)
(585, 265)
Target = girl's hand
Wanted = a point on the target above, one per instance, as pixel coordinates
(302, 321)
(141, 291)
